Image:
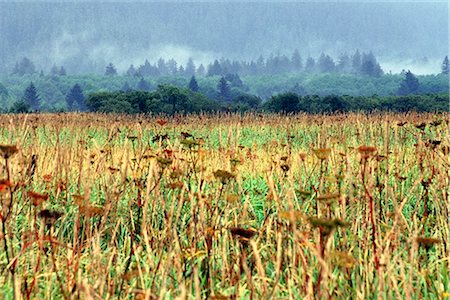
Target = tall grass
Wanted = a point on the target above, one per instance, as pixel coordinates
(225, 207)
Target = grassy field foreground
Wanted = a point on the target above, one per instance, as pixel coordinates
(251, 207)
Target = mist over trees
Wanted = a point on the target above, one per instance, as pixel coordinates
(357, 63)
(85, 36)
(409, 85)
(226, 56)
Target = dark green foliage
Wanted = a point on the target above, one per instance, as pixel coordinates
(286, 103)
(169, 99)
(96, 101)
(165, 99)
(31, 97)
(20, 107)
(370, 66)
(429, 103)
(250, 101)
(117, 106)
(173, 96)
(409, 85)
(242, 103)
(53, 89)
(223, 89)
(333, 104)
(75, 99)
(121, 102)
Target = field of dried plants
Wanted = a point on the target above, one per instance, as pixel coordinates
(225, 207)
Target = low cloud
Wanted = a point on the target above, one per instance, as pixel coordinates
(422, 66)
(81, 52)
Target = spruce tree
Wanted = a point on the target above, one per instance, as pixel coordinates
(370, 66)
(31, 97)
(224, 89)
(110, 70)
(75, 96)
(193, 85)
(214, 69)
(409, 85)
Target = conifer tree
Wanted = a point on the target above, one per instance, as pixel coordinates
(75, 96)
(193, 85)
(31, 97)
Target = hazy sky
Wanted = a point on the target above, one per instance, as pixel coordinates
(234, 1)
(84, 35)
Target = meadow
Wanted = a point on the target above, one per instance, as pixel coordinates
(346, 206)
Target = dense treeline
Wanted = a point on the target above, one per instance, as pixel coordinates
(166, 99)
(292, 103)
(169, 99)
(53, 91)
(356, 63)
